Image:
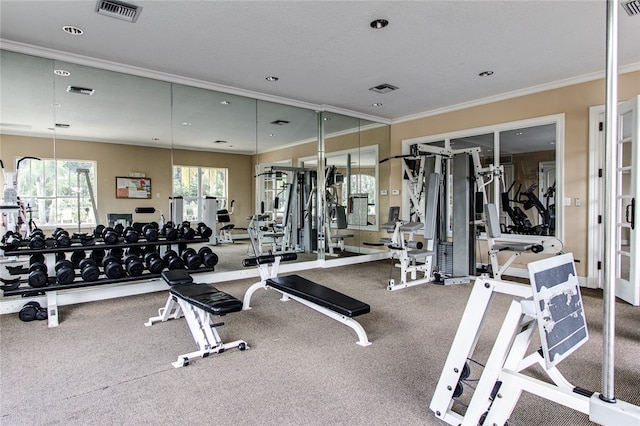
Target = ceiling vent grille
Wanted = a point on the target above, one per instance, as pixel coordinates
(280, 122)
(119, 10)
(383, 88)
(81, 90)
(631, 7)
(62, 126)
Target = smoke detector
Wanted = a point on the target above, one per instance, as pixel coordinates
(119, 10)
(383, 88)
(632, 7)
(81, 90)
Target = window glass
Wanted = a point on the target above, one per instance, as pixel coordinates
(195, 183)
(56, 192)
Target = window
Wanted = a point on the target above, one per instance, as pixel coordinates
(363, 194)
(195, 183)
(58, 192)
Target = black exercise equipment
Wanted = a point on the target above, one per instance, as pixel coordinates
(119, 228)
(130, 235)
(204, 231)
(76, 257)
(154, 262)
(138, 251)
(112, 267)
(89, 270)
(32, 311)
(116, 252)
(61, 237)
(109, 235)
(38, 275)
(36, 258)
(134, 267)
(209, 258)
(37, 240)
(172, 260)
(64, 272)
(97, 255)
(150, 232)
(169, 232)
(11, 240)
(60, 256)
(188, 233)
(192, 259)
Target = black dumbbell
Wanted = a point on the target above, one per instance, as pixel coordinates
(11, 240)
(191, 259)
(37, 240)
(137, 250)
(61, 236)
(134, 267)
(188, 233)
(76, 257)
(98, 231)
(209, 258)
(169, 232)
(119, 228)
(36, 258)
(32, 311)
(112, 267)
(38, 275)
(150, 233)
(109, 235)
(130, 235)
(64, 272)
(154, 262)
(203, 230)
(89, 270)
(172, 260)
(117, 252)
(98, 255)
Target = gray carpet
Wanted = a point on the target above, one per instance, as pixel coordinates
(103, 366)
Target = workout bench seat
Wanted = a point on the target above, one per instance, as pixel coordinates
(196, 302)
(329, 302)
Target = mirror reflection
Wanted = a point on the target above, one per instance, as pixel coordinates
(245, 166)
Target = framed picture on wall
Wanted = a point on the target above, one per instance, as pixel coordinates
(129, 187)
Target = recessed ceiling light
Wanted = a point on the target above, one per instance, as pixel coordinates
(519, 133)
(62, 73)
(485, 73)
(186, 123)
(272, 78)
(70, 29)
(56, 105)
(225, 103)
(376, 104)
(272, 134)
(379, 23)
(155, 139)
(326, 118)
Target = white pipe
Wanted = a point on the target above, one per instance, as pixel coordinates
(611, 139)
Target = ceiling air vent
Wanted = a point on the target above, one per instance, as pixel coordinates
(383, 88)
(632, 7)
(81, 90)
(219, 141)
(280, 122)
(119, 10)
(62, 126)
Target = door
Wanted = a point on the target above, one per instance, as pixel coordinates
(627, 178)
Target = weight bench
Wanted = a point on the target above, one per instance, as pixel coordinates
(196, 302)
(329, 302)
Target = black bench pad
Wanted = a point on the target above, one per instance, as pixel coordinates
(319, 294)
(204, 296)
(207, 297)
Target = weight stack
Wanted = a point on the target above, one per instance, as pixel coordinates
(444, 258)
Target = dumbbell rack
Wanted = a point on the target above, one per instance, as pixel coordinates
(51, 290)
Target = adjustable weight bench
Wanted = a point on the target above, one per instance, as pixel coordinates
(196, 302)
(329, 302)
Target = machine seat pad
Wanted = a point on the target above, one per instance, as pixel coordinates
(411, 226)
(513, 246)
(227, 227)
(203, 296)
(341, 236)
(418, 253)
(319, 294)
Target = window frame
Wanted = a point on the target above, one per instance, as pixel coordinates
(199, 197)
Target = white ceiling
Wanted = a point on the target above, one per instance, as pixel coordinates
(326, 55)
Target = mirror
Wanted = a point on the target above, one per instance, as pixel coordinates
(178, 136)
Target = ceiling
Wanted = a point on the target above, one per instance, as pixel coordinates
(327, 56)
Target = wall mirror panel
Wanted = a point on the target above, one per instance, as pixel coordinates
(26, 129)
(189, 141)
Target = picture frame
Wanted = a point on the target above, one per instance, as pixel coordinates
(133, 187)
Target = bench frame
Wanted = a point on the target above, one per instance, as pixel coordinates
(271, 271)
(203, 331)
